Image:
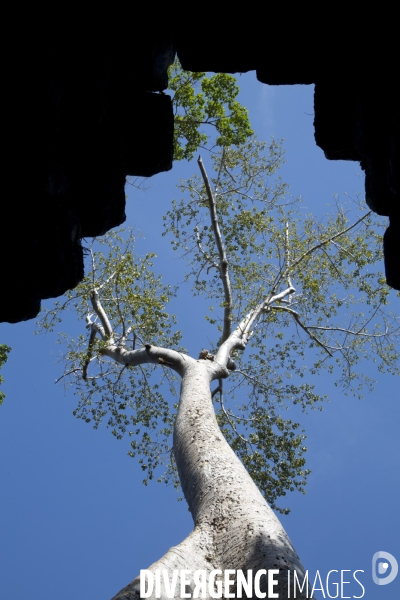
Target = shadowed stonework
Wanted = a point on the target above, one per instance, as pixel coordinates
(83, 111)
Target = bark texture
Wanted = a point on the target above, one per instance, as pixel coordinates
(234, 528)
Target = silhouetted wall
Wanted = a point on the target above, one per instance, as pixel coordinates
(82, 113)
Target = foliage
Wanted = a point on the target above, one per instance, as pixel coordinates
(269, 242)
(199, 100)
(338, 312)
(312, 288)
(134, 299)
(4, 350)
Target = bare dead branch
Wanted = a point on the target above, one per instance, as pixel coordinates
(223, 261)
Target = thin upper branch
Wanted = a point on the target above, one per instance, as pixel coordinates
(233, 426)
(223, 261)
(119, 309)
(349, 331)
(200, 247)
(287, 252)
(329, 240)
(304, 327)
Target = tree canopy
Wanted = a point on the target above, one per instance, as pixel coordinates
(304, 294)
(204, 106)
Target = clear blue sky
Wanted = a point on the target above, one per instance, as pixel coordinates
(75, 521)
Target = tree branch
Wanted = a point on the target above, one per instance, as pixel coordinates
(101, 313)
(223, 261)
(124, 336)
(356, 333)
(93, 331)
(256, 382)
(304, 327)
(233, 426)
(200, 247)
(107, 280)
(241, 335)
(287, 253)
(328, 241)
(68, 373)
(147, 355)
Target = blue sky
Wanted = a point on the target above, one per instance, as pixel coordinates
(76, 523)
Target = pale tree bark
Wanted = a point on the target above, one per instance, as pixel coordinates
(234, 528)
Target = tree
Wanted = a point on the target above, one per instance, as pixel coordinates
(287, 288)
(200, 101)
(4, 350)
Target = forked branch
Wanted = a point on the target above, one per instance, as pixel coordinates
(241, 335)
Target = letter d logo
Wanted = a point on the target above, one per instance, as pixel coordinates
(382, 568)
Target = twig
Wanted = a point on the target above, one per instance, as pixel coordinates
(200, 247)
(68, 373)
(328, 241)
(304, 327)
(357, 333)
(228, 417)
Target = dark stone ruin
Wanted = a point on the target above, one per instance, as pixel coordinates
(83, 111)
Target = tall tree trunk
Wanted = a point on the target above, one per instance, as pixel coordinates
(234, 526)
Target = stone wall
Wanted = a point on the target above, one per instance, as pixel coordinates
(83, 112)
